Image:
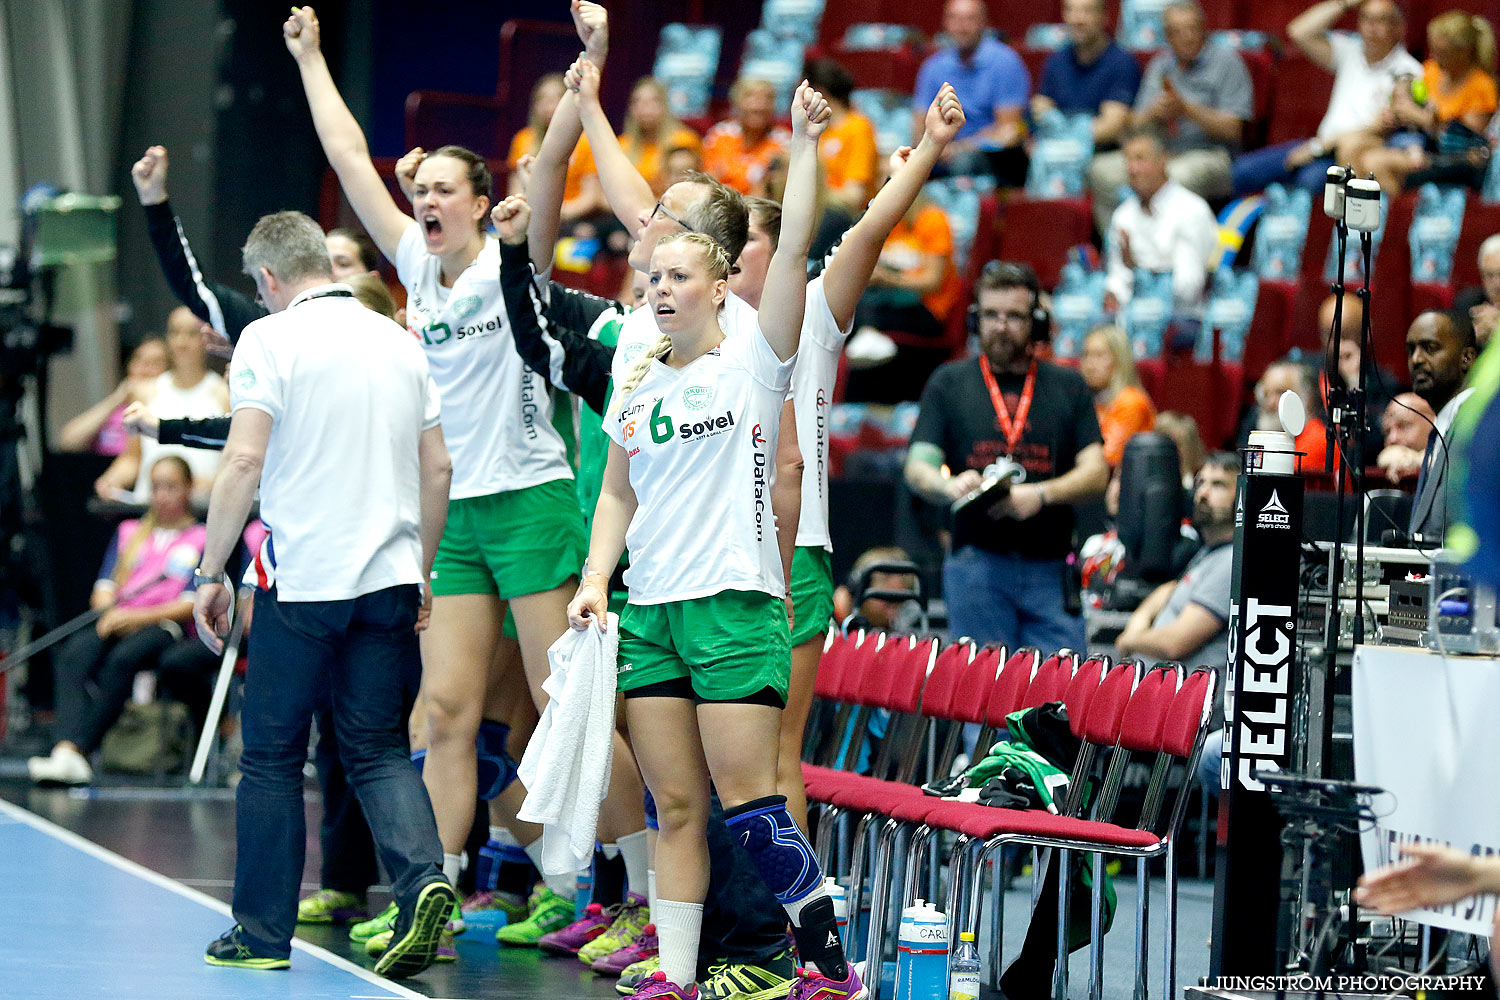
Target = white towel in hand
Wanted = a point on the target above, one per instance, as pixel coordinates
(565, 769)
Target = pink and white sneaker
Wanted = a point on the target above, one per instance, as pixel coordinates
(644, 947)
(813, 985)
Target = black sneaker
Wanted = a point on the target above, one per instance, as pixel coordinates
(414, 943)
(234, 953)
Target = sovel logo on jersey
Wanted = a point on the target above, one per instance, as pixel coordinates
(663, 429)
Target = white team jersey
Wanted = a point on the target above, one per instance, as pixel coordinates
(497, 415)
(702, 447)
(812, 399)
(638, 331)
(349, 396)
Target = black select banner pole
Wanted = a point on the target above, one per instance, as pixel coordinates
(1264, 677)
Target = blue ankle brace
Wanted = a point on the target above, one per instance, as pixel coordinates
(779, 851)
(496, 768)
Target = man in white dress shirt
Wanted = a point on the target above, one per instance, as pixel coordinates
(1162, 226)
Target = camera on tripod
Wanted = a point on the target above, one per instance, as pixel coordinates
(1354, 201)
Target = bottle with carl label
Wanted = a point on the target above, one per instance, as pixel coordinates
(926, 949)
(963, 976)
(904, 940)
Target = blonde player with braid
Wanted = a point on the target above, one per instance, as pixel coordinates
(704, 644)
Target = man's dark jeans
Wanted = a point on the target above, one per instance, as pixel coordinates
(358, 654)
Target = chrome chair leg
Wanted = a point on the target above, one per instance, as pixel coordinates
(1060, 968)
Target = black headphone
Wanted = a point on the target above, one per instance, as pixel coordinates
(1008, 274)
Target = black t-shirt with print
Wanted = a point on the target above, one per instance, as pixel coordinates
(958, 417)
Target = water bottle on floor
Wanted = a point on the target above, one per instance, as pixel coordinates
(905, 941)
(929, 954)
(840, 899)
(963, 976)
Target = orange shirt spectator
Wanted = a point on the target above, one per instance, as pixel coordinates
(580, 164)
(651, 132)
(1475, 94)
(650, 157)
(847, 151)
(1124, 409)
(1129, 413)
(918, 237)
(737, 152)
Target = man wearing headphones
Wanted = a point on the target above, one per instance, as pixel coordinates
(1006, 576)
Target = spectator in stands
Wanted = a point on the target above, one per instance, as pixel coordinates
(1405, 425)
(878, 612)
(351, 252)
(1122, 405)
(1186, 620)
(1090, 75)
(1459, 84)
(847, 152)
(144, 592)
(1365, 70)
(1288, 375)
(682, 161)
(187, 389)
(652, 133)
(737, 152)
(913, 290)
(100, 429)
(1201, 95)
(1006, 577)
(1439, 352)
(1182, 428)
(1482, 303)
(1162, 226)
(583, 198)
(992, 82)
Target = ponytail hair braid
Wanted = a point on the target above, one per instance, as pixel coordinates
(642, 365)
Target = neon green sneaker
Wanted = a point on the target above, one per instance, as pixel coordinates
(636, 974)
(446, 950)
(549, 912)
(743, 981)
(366, 929)
(630, 917)
(456, 923)
(330, 906)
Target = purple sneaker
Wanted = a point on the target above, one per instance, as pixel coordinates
(579, 933)
(813, 985)
(656, 985)
(644, 947)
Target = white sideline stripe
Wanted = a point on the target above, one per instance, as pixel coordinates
(172, 885)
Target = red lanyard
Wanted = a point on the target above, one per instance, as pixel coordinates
(1011, 429)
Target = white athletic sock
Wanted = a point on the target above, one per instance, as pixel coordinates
(610, 851)
(651, 892)
(678, 927)
(565, 886)
(633, 850)
(452, 865)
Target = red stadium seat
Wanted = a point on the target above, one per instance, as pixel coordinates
(1041, 233)
(1262, 68)
(893, 69)
(1268, 337)
(1481, 221)
(1303, 89)
(436, 118)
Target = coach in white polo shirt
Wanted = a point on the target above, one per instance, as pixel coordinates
(336, 418)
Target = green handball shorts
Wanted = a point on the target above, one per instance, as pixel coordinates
(730, 645)
(511, 544)
(812, 592)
